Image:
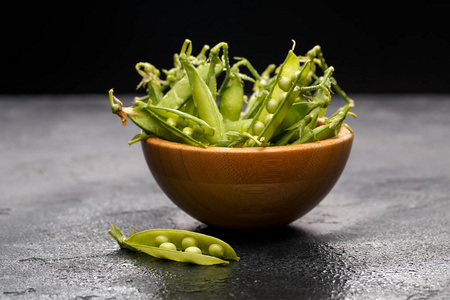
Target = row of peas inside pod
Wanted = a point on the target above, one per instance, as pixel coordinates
(177, 245)
(201, 100)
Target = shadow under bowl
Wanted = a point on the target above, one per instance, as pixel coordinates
(248, 188)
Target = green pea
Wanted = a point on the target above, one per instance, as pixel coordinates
(168, 246)
(198, 129)
(295, 75)
(258, 127)
(193, 249)
(283, 96)
(216, 250)
(161, 239)
(188, 131)
(285, 83)
(268, 119)
(172, 122)
(176, 131)
(189, 242)
(272, 106)
(182, 122)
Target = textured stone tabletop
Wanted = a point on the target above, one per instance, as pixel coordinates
(67, 172)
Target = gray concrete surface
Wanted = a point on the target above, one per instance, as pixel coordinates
(66, 173)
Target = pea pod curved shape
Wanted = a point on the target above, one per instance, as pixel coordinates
(147, 242)
(205, 102)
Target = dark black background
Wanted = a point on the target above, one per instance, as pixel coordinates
(60, 47)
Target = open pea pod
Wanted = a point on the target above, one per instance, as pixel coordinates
(330, 128)
(238, 126)
(261, 89)
(194, 258)
(281, 97)
(297, 112)
(183, 118)
(297, 130)
(186, 134)
(211, 250)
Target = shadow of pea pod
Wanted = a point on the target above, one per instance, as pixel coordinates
(286, 261)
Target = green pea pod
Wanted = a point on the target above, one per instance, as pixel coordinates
(309, 120)
(238, 126)
(261, 89)
(181, 91)
(232, 99)
(235, 139)
(254, 105)
(213, 250)
(329, 129)
(204, 101)
(297, 130)
(282, 95)
(141, 117)
(297, 112)
(155, 93)
(140, 137)
(199, 259)
(167, 112)
(181, 134)
(176, 237)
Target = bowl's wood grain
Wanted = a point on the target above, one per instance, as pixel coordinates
(246, 188)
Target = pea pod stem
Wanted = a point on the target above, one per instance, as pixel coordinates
(334, 84)
(186, 48)
(118, 235)
(323, 82)
(214, 56)
(141, 136)
(244, 62)
(116, 104)
(150, 80)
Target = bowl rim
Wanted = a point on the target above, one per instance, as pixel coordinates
(344, 135)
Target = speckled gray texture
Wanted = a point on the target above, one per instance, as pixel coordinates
(66, 173)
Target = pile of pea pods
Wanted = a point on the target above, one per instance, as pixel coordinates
(177, 245)
(201, 100)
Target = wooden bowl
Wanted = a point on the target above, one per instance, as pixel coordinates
(247, 188)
